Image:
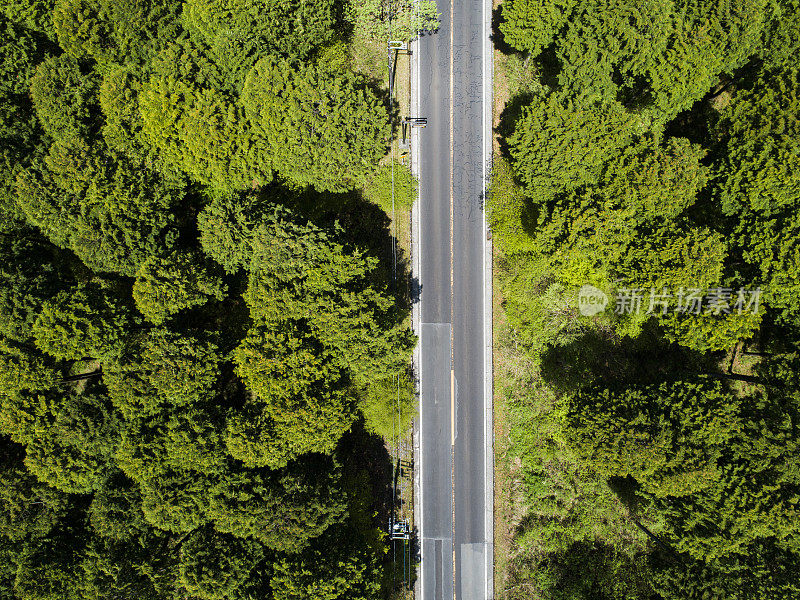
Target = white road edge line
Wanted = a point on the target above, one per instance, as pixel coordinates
(487, 303)
(416, 317)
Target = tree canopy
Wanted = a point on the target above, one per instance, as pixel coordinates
(193, 350)
(643, 210)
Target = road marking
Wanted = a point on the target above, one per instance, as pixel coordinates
(452, 291)
(488, 399)
(452, 407)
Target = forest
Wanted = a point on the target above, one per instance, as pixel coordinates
(644, 207)
(202, 345)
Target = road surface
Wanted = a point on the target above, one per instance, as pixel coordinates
(455, 460)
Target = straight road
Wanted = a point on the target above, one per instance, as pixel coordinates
(454, 81)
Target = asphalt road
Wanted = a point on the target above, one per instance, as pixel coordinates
(455, 451)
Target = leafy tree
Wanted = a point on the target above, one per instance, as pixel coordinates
(112, 31)
(118, 97)
(25, 369)
(301, 399)
(30, 274)
(384, 20)
(781, 43)
(19, 133)
(239, 32)
(72, 445)
(758, 169)
(282, 510)
(320, 324)
(175, 500)
(227, 226)
(45, 570)
(88, 320)
(530, 25)
(216, 565)
(757, 181)
(112, 213)
(763, 570)
(324, 129)
(186, 442)
(115, 511)
(29, 509)
(161, 369)
(560, 144)
(628, 230)
(337, 565)
(667, 436)
(753, 500)
(203, 133)
(64, 98)
(658, 57)
(302, 274)
(135, 568)
(168, 285)
(381, 402)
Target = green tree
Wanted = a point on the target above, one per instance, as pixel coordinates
(88, 320)
(64, 98)
(239, 32)
(227, 227)
(19, 132)
(161, 370)
(320, 326)
(115, 31)
(283, 510)
(175, 500)
(186, 441)
(757, 183)
(167, 285)
(203, 132)
(340, 564)
(667, 436)
(115, 511)
(113, 213)
(392, 188)
(73, 444)
(29, 509)
(215, 565)
(302, 274)
(33, 14)
(324, 129)
(530, 25)
(46, 569)
(301, 402)
(30, 274)
(560, 144)
(384, 20)
(658, 57)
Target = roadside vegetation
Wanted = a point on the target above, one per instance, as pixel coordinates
(201, 340)
(648, 160)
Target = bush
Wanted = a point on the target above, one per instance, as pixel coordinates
(379, 189)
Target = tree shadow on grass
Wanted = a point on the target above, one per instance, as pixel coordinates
(599, 357)
(507, 122)
(362, 225)
(497, 37)
(368, 468)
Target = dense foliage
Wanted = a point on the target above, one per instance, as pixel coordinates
(198, 328)
(650, 160)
